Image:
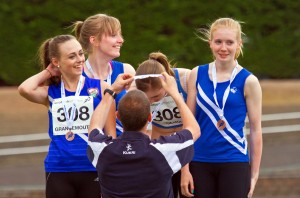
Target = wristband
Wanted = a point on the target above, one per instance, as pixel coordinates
(111, 92)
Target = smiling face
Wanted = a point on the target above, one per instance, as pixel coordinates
(71, 58)
(224, 44)
(110, 44)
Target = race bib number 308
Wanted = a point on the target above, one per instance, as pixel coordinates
(167, 115)
(82, 114)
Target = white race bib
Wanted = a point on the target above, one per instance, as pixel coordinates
(83, 113)
(167, 115)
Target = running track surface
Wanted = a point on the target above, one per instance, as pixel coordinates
(18, 116)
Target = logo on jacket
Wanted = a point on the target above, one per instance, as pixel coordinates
(129, 150)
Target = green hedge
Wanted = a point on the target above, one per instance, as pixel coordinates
(271, 47)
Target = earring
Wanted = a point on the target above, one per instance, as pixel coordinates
(58, 66)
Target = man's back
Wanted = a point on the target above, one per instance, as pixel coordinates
(134, 166)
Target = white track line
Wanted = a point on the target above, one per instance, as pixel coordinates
(278, 129)
(23, 150)
(23, 138)
(280, 116)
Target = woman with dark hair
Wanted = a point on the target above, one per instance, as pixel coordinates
(70, 99)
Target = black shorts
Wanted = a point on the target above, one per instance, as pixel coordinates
(72, 185)
(221, 180)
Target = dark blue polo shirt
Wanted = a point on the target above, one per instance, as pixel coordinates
(135, 166)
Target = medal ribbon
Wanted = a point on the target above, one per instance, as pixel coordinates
(242, 149)
(88, 65)
(226, 93)
(210, 103)
(147, 76)
(70, 118)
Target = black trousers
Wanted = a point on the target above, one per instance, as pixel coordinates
(176, 184)
(72, 185)
(221, 180)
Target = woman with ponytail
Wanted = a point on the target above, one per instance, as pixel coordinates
(70, 99)
(166, 118)
(101, 38)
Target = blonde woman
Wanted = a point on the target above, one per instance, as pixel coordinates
(221, 94)
(101, 38)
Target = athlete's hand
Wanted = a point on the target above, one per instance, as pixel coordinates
(122, 82)
(54, 70)
(187, 183)
(169, 84)
(252, 186)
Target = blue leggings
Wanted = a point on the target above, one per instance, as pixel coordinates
(221, 180)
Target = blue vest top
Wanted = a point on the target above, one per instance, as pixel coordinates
(64, 155)
(117, 68)
(229, 144)
(180, 89)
